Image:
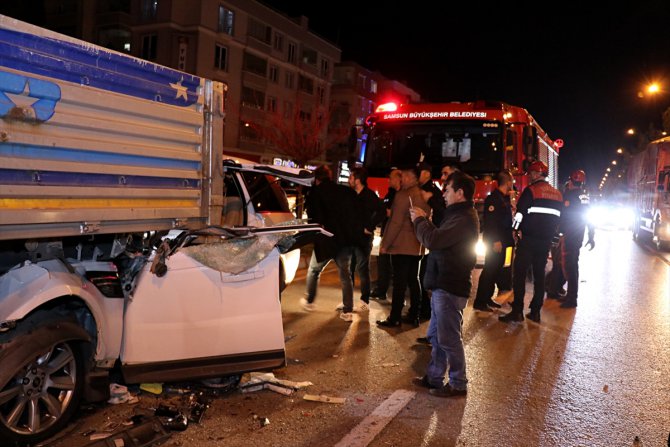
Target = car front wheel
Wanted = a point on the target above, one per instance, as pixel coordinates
(41, 383)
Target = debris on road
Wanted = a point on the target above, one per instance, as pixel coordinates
(324, 398)
(154, 388)
(256, 381)
(146, 432)
(119, 394)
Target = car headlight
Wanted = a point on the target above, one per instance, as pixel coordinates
(480, 248)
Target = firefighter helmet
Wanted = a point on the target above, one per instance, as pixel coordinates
(578, 176)
(539, 166)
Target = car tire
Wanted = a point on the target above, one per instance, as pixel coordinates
(42, 369)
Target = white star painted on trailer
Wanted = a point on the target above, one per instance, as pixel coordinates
(181, 89)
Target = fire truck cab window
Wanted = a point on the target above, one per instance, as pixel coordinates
(476, 148)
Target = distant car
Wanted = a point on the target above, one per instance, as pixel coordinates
(609, 215)
(253, 197)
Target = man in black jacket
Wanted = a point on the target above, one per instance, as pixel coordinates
(370, 212)
(384, 259)
(449, 277)
(433, 195)
(332, 206)
(498, 238)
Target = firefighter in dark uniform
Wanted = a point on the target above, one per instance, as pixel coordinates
(497, 235)
(555, 279)
(537, 216)
(572, 224)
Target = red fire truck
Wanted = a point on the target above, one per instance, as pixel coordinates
(480, 137)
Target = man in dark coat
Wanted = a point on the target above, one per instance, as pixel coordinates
(433, 195)
(370, 212)
(384, 259)
(332, 206)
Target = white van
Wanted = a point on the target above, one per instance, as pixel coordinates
(254, 197)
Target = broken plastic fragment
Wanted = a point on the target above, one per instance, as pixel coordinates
(324, 398)
(154, 388)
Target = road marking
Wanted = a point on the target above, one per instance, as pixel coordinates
(363, 434)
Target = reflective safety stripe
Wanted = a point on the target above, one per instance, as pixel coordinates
(543, 210)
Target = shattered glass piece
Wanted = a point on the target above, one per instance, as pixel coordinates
(235, 255)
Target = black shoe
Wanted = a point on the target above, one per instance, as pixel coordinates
(534, 316)
(423, 340)
(388, 323)
(423, 382)
(568, 304)
(512, 316)
(377, 295)
(554, 296)
(448, 391)
(414, 321)
(493, 305)
(424, 317)
(482, 308)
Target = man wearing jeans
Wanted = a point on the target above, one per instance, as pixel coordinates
(449, 277)
(332, 206)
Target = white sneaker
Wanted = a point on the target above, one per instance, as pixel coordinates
(339, 307)
(347, 316)
(307, 305)
(363, 307)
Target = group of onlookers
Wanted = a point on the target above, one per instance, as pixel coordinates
(417, 217)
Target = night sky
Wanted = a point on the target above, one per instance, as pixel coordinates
(577, 68)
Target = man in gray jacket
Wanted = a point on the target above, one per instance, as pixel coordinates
(449, 277)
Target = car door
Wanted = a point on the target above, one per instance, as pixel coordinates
(197, 321)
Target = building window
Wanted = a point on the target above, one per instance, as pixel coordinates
(255, 64)
(361, 82)
(260, 31)
(220, 57)
(272, 104)
(248, 132)
(306, 84)
(226, 20)
(273, 75)
(149, 43)
(253, 98)
(373, 86)
(115, 39)
(278, 42)
(325, 68)
(289, 80)
(321, 94)
(292, 49)
(288, 109)
(149, 9)
(309, 56)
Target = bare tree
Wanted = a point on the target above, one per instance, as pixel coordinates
(303, 134)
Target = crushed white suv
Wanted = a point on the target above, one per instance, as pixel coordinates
(254, 197)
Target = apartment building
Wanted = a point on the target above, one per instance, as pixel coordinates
(278, 73)
(356, 92)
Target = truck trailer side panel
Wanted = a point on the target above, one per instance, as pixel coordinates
(94, 141)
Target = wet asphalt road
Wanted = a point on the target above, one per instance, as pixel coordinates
(594, 376)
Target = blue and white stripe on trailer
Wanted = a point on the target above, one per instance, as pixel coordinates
(96, 67)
